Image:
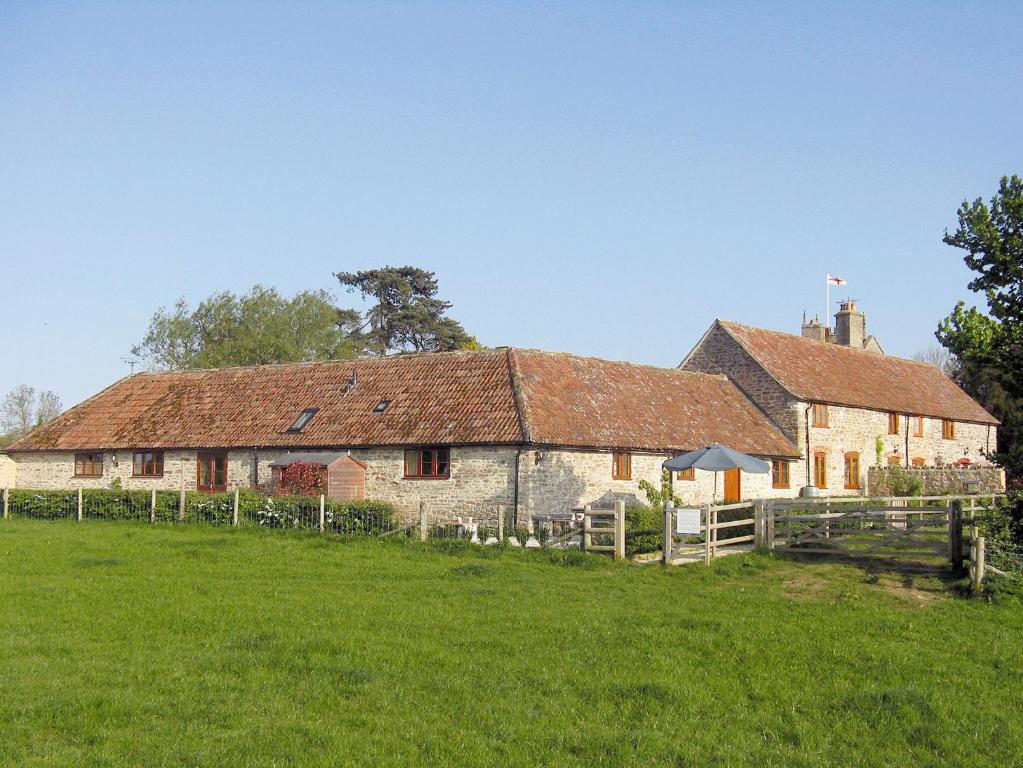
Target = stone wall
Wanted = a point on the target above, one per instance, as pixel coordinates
(940, 481)
(481, 477)
(8, 471)
(855, 430)
(563, 479)
(718, 352)
(481, 482)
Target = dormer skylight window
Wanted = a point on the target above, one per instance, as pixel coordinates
(303, 419)
(381, 406)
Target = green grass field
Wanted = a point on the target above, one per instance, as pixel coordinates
(125, 644)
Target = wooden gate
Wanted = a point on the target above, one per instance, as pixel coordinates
(707, 532)
(921, 528)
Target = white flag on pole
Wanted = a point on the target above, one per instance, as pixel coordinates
(832, 280)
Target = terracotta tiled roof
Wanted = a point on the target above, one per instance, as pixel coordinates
(457, 397)
(490, 397)
(826, 372)
(579, 401)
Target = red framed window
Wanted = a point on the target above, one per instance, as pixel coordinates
(432, 463)
(88, 465)
(919, 427)
(893, 423)
(852, 470)
(779, 474)
(621, 466)
(820, 470)
(687, 474)
(147, 464)
(948, 429)
(820, 414)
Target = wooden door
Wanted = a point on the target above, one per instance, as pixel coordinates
(733, 485)
(211, 471)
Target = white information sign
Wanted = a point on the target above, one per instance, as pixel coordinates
(687, 520)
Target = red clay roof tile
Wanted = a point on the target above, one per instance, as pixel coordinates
(826, 372)
(489, 397)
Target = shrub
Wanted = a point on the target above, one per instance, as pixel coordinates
(644, 529)
(347, 517)
(303, 479)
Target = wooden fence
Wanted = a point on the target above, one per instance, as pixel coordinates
(934, 529)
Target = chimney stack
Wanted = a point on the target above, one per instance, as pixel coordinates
(850, 325)
(815, 329)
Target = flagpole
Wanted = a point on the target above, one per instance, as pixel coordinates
(827, 301)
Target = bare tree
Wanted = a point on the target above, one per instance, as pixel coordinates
(48, 408)
(17, 409)
(21, 410)
(939, 357)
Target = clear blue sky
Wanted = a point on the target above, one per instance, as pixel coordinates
(598, 179)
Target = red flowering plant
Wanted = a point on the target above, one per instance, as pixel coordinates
(302, 479)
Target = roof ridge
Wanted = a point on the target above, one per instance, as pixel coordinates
(518, 396)
(826, 345)
(334, 361)
(666, 369)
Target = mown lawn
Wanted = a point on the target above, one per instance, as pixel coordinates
(124, 644)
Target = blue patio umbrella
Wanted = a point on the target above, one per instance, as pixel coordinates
(716, 458)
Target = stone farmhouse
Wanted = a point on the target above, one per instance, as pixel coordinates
(466, 433)
(839, 398)
(524, 431)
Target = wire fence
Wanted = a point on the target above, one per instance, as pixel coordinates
(241, 509)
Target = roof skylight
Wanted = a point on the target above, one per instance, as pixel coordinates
(303, 419)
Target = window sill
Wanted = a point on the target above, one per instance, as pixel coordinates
(781, 487)
(852, 488)
(426, 477)
(146, 477)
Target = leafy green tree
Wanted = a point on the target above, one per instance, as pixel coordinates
(257, 328)
(406, 315)
(988, 347)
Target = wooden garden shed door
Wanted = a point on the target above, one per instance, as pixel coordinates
(733, 485)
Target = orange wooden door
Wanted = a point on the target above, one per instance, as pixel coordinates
(733, 485)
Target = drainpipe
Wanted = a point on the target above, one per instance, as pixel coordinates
(806, 419)
(255, 467)
(518, 461)
(908, 417)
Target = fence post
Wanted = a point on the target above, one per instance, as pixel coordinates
(979, 565)
(669, 531)
(234, 510)
(181, 494)
(323, 513)
(7, 512)
(586, 541)
(152, 506)
(79, 505)
(706, 534)
(422, 521)
(758, 524)
(955, 535)
(769, 522)
(500, 523)
(619, 530)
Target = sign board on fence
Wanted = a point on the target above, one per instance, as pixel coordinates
(687, 520)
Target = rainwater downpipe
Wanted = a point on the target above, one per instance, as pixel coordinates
(806, 418)
(908, 417)
(518, 460)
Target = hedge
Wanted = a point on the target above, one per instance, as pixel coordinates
(292, 512)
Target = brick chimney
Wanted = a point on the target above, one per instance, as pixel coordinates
(850, 325)
(815, 329)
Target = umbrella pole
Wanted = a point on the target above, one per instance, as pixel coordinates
(714, 498)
